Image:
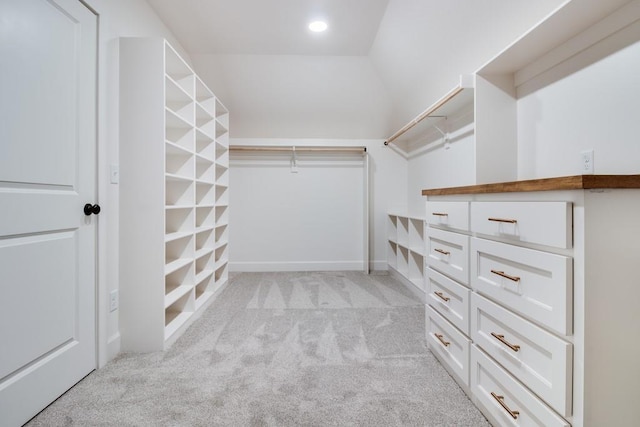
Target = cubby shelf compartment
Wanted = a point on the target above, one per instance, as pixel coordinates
(204, 144)
(204, 121)
(222, 176)
(205, 169)
(179, 249)
(205, 193)
(178, 102)
(179, 138)
(221, 235)
(221, 148)
(178, 220)
(204, 238)
(416, 235)
(175, 121)
(176, 68)
(393, 254)
(416, 269)
(178, 162)
(205, 216)
(204, 110)
(202, 276)
(222, 272)
(178, 284)
(406, 248)
(177, 314)
(222, 215)
(205, 287)
(167, 195)
(222, 195)
(176, 265)
(178, 191)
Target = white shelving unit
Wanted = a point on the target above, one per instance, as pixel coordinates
(173, 197)
(406, 250)
(417, 131)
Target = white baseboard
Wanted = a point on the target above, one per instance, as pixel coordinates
(378, 265)
(296, 266)
(113, 346)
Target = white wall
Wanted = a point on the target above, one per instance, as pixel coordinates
(438, 164)
(595, 108)
(117, 18)
(253, 231)
(288, 96)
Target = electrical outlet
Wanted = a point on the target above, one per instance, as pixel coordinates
(587, 162)
(113, 300)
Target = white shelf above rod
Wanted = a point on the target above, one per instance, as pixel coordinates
(466, 82)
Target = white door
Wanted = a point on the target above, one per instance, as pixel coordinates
(47, 174)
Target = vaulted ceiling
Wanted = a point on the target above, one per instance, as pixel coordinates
(379, 64)
(273, 27)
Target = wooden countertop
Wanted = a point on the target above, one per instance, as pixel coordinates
(577, 182)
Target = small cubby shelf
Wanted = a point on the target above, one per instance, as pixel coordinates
(174, 167)
(406, 248)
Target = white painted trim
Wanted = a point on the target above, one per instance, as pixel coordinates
(378, 265)
(113, 346)
(409, 285)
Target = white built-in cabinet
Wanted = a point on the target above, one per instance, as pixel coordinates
(405, 249)
(174, 194)
(538, 316)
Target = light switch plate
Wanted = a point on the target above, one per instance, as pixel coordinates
(114, 174)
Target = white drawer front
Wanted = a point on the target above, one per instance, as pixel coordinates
(487, 377)
(533, 283)
(453, 215)
(539, 359)
(448, 343)
(449, 298)
(545, 223)
(449, 254)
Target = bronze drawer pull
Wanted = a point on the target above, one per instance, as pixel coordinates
(505, 342)
(440, 338)
(510, 221)
(442, 297)
(442, 251)
(506, 276)
(439, 214)
(500, 399)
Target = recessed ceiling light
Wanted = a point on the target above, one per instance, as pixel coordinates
(318, 26)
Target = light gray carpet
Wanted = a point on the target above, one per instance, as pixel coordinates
(282, 349)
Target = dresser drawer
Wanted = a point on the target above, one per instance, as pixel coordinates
(448, 253)
(506, 401)
(453, 215)
(545, 223)
(533, 283)
(449, 298)
(539, 359)
(449, 344)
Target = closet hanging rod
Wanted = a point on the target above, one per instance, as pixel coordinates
(297, 148)
(426, 113)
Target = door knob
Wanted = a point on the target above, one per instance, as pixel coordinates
(91, 209)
